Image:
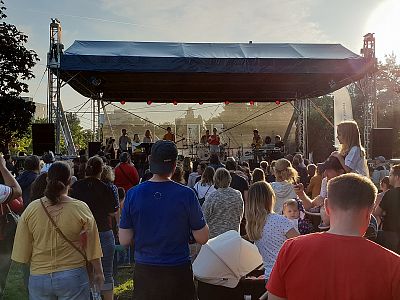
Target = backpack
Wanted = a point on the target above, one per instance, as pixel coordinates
(201, 200)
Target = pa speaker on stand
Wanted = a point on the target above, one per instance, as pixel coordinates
(382, 142)
(43, 138)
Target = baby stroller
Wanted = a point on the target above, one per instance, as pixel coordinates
(221, 268)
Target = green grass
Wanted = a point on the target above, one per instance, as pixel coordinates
(15, 289)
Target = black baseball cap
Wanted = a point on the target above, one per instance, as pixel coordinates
(163, 157)
(332, 163)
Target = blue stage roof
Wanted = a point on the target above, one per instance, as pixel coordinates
(208, 72)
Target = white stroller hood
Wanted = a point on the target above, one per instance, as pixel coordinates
(225, 259)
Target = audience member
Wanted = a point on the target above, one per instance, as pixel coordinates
(223, 209)
(389, 207)
(126, 175)
(101, 201)
(268, 230)
(178, 175)
(25, 180)
(205, 187)
(314, 187)
(286, 176)
(339, 256)
(214, 162)
(162, 263)
(57, 265)
(258, 175)
(187, 167)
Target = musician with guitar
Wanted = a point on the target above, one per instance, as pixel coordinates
(256, 146)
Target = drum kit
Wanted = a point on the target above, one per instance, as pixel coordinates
(202, 152)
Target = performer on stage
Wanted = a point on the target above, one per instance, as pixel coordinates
(135, 143)
(109, 150)
(268, 142)
(214, 142)
(169, 136)
(124, 141)
(204, 138)
(279, 143)
(147, 137)
(256, 145)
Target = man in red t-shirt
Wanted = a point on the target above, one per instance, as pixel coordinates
(126, 175)
(340, 263)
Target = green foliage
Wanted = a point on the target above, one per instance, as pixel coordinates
(15, 287)
(16, 60)
(80, 136)
(15, 119)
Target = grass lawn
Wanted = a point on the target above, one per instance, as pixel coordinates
(15, 289)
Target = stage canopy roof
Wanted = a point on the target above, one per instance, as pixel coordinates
(208, 72)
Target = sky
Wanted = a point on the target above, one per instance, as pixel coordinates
(263, 21)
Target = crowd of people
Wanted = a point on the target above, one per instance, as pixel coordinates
(322, 219)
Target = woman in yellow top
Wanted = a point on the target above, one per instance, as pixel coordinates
(57, 269)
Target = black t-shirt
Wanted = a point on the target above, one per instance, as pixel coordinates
(239, 183)
(100, 199)
(391, 205)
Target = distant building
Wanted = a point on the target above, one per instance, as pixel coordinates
(41, 109)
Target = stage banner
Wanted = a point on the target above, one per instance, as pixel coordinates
(193, 133)
(342, 109)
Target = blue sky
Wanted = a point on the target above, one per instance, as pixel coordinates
(307, 21)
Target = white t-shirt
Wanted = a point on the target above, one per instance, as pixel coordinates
(324, 188)
(5, 193)
(202, 190)
(356, 161)
(273, 236)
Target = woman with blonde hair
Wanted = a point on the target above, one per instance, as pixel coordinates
(351, 154)
(267, 229)
(285, 176)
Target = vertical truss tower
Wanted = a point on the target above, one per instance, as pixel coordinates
(368, 86)
(55, 109)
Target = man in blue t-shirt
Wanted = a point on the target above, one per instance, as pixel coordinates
(160, 217)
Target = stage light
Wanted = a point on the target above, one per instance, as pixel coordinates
(226, 102)
(122, 102)
(277, 102)
(149, 102)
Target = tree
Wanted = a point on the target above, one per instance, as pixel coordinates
(16, 63)
(80, 136)
(15, 119)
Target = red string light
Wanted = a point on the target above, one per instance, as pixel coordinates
(122, 102)
(226, 102)
(251, 102)
(175, 102)
(149, 102)
(277, 102)
(201, 102)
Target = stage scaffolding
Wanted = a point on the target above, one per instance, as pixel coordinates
(57, 116)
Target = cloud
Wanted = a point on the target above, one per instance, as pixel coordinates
(213, 21)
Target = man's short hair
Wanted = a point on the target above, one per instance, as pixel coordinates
(351, 192)
(396, 170)
(231, 165)
(32, 163)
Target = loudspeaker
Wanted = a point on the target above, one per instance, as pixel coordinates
(43, 138)
(382, 142)
(93, 148)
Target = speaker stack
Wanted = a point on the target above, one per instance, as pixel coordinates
(43, 138)
(382, 142)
